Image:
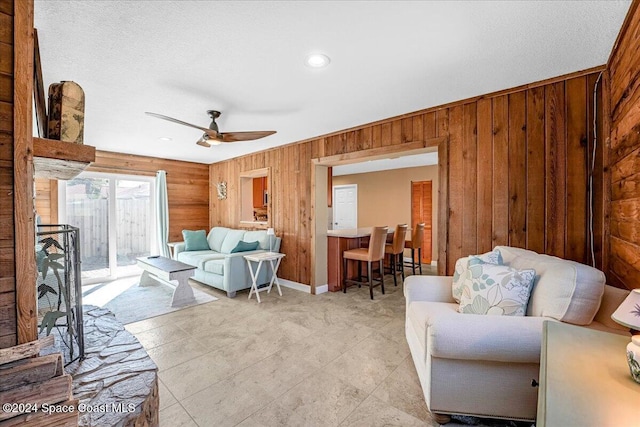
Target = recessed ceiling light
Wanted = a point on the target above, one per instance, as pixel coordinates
(317, 60)
(165, 138)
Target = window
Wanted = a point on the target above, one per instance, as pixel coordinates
(115, 215)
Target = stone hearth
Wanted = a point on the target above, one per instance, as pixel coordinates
(117, 382)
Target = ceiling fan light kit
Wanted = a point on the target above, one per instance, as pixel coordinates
(317, 60)
(212, 134)
(206, 141)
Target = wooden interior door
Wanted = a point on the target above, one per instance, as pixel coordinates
(422, 211)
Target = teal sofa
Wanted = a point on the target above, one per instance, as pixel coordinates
(218, 267)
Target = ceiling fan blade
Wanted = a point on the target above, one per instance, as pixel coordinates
(244, 136)
(208, 131)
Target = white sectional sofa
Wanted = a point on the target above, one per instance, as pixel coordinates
(483, 365)
(221, 269)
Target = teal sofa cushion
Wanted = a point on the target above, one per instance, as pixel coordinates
(231, 240)
(245, 246)
(195, 240)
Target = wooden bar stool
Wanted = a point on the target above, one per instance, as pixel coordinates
(374, 253)
(395, 250)
(416, 242)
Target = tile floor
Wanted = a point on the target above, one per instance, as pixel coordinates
(303, 360)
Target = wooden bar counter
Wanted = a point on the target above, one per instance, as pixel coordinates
(338, 242)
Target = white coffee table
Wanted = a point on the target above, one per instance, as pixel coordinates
(260, 258)
(169, 272)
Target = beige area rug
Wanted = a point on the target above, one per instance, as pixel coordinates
(132, 303)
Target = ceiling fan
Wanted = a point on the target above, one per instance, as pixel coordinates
(212, 135)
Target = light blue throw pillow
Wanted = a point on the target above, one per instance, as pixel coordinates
(245, 246)
(496, 289)
(195, 240)
(461, 270)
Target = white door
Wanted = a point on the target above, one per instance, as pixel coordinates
(345, 206)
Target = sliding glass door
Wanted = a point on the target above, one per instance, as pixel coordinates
(115, 215)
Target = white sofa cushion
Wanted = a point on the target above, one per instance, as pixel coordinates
(495, 289)
(216, 237)
(509, 253)
(563, 290)
(198, 258)
(259, 236)
(231, 240)
(459, 276)
(215, 266)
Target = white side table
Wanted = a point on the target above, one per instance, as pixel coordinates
(585, 379)
(273, 258)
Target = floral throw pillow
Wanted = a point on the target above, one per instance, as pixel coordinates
(461, 270)
(496, 289)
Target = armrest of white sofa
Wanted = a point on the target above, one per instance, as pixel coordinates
(484, 337)
(177, 248)
(428, 288)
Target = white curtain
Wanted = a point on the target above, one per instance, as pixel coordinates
(162, 213)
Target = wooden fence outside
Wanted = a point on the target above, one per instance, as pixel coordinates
(134, 222)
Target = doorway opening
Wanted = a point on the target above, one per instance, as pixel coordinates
(384, 182)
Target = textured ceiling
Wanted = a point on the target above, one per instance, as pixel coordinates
(181, 58)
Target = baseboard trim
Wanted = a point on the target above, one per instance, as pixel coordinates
(322, 289)
(302, 287)
(295, 285)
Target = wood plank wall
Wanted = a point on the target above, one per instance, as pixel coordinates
(624, 154)
(518, 172)
(187, 188)
(18, 320)
(23, 194)
(47, 200)
(8, 323)
(515, 160)
(290, 197)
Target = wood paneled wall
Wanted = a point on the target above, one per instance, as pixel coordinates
(624, 154)
(8, 325)
(519, 169)
(290, 198)
(187, 188)
(514, 171)
(47, 200)
(17, 259)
